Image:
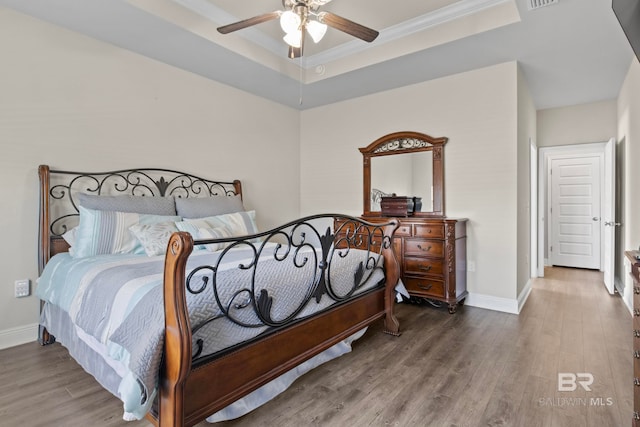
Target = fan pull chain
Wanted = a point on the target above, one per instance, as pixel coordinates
(300, 84)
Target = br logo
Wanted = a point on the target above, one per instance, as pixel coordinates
(568, 381)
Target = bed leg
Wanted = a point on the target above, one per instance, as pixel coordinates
(44, 337)
(391, 325)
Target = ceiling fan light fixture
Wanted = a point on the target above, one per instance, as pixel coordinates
(290, 21)
(316, 30)
(293, 38)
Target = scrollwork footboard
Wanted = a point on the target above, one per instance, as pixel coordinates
(269, 285)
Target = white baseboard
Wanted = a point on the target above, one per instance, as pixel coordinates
(20, 335)
(506, 305)
(522, 298)
(626, 298)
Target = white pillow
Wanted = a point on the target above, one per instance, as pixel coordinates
(154, 238)
(70, 237)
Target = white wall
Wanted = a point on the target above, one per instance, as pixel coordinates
(477, 110)
(78, 104)
(629, 135)
(577, 124)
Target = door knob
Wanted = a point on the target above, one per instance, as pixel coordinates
(595, 218)
(612, 224)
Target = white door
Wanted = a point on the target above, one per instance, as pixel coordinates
(609, 215)
(575, 212)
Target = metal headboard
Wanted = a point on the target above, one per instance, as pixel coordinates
(59, 191)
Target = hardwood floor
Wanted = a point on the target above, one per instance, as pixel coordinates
(475, 368)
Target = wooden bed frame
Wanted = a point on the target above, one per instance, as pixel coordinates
(189, 392)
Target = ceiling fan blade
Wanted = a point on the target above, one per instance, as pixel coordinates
(348, 26)
(226, 29)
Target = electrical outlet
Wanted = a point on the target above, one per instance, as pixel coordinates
(471, 266)
(21, 288)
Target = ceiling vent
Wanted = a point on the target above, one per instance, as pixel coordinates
(537, 4)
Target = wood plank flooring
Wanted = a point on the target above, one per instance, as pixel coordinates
(475, 368)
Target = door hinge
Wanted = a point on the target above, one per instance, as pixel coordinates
(551, 249)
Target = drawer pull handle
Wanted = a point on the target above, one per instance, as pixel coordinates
(423, 249)
(636, 312)
(636, 382)
(636, 290)
(636, 354)
(427, 268)
(426, 288)
(636, 333)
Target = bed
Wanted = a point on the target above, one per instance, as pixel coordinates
(193, 314)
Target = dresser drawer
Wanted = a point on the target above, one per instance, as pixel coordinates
(423, 247)
(430, 231)
(403, 230)
(428, 266)
(425, 287)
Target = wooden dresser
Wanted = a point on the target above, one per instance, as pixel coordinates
(407, 169)
(432, 254)
(635, 274)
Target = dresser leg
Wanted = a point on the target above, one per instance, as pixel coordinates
(453, 308)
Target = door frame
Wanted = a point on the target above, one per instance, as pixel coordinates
(545, 155)
(533, 170)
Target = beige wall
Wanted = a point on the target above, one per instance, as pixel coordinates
(75, 103)
(629, 130)
(477, 110)
(526, 133)
(572, 125)
(577, 124)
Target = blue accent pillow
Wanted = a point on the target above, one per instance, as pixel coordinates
(107, 232)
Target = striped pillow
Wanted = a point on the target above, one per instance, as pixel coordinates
(214, 233)
(238, 224)
(107, 232)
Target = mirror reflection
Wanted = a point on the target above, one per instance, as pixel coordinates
(407, 174)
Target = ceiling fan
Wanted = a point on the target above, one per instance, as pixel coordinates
(301, 17)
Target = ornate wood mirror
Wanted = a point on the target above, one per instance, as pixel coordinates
(405, 164)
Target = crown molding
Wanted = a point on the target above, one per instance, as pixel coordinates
(420, 23)
(403, 29)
